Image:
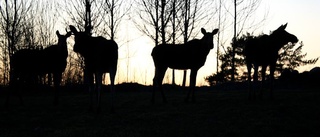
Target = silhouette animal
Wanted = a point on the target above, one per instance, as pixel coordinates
(28, 64)
(100, 56)
(191, 55)
(263, 51)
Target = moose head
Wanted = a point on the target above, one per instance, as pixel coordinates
(62, 39)
(207, 38)
(82, 39)
(282, 36)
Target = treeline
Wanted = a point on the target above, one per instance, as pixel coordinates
(290, 58)
(31, 24)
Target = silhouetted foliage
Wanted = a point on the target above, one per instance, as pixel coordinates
(225, 73)
(216, 79)
(290, 56)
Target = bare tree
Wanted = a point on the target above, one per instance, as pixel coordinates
(115, 10)
(44, 27)
(174, 15)
(13, 13)
(86, 15)
(159, 15)
(98, 17)
(45, 22)
(218, 35)
(243, 12)
(148, 18)
(184, 16)
(191, 16)
(38, 28)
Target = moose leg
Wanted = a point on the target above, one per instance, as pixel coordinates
(98, 79)
(49, 79)
(56, 81)
(14, 91)
(88, 81)
(154, 85)
(157, 83)
(15, 88)
(21, 85)
(193, 76)
(12, 88)
(272, 69)
(19, 92)
(255, 80)
(249, 81)
(112, 88)
(263, 75)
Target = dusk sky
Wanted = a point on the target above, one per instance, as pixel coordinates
(136, 64)
(303, 21)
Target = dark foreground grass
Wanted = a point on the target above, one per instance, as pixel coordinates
(215, 113)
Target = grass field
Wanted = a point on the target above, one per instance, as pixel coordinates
(216, 113)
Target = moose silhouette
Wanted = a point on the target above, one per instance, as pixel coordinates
(263, 51)
(27, 64)
(100, 56)
(191, 55)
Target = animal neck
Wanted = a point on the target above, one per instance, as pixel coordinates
(63, 49)
(85, 46)
(206, 43)
(277, 42)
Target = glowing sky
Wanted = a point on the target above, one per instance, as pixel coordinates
(302, 16)
(303, 19)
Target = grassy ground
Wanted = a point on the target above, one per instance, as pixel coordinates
(215, 113)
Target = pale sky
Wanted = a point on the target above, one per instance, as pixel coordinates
(303, 18)
(136, 64)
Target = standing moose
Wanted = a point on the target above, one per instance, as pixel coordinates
(191, 55)
(27, 64)
(100, 56)
(263, 51)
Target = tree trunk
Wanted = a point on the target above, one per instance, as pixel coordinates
(185, 36)
(174, 34)
(234, 41)
(88, 26)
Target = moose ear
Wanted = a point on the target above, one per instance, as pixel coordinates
(285, 25)
(282, 27)
(73, 29)
(203, 31)
(68, 34)
(58, 34)
(215, 31)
